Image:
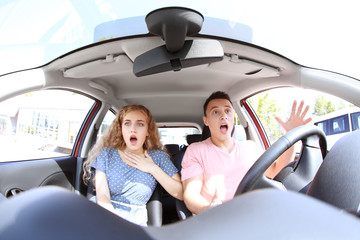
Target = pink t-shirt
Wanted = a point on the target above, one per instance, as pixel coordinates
(222, 171)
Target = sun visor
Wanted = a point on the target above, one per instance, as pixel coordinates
(109, 65)
(193, 53)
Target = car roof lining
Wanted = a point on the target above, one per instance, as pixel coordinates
(186, 85)
(117, 86)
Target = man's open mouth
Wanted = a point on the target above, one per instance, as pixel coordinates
(224, 128)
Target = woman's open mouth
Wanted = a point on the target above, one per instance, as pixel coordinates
(133, 140)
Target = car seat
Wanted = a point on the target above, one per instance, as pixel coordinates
(153, 206)
(191, 138)
(168, 201)
(337, 181)
(2, 197)
(172, 149)
(206, 132)
(181, 208)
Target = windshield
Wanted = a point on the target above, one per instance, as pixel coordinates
(320, 34)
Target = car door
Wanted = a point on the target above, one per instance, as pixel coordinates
(41, 134)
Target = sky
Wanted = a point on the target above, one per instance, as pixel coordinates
(316, 33)
(321, 34)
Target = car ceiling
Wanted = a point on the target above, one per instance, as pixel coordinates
(105, 71)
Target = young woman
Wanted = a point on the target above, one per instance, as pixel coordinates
(128, 163)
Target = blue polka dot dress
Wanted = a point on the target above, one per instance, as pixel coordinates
(130, 188)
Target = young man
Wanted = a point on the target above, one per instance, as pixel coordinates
(212, 169)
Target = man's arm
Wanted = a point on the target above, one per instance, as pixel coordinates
(296, 119)
(287, 157)
(193, 199)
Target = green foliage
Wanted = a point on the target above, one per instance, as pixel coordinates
(236, 119)
(104, 39)
(322, 106)
(267, 111)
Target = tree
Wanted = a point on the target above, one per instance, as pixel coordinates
(266, 111)
(322, 106)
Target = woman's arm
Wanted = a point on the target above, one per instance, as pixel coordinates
(172, 184)
(102, 191)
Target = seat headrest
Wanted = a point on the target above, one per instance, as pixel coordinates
(205, 133)
(191, 138)
(338, 179)
(172, 149)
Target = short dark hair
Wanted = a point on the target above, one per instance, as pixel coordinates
(216, 95)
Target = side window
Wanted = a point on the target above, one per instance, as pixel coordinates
(339, 125)
(355, 121)
(239, 131)
(42, 124)
(108, 119)
(324, 125)
(328, 112)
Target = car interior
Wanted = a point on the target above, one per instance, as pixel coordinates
(172, 70)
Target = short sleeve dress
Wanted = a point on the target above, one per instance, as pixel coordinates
(130, 188)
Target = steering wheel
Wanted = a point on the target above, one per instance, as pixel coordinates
(313, 151)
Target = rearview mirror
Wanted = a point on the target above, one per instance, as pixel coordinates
(193, 53)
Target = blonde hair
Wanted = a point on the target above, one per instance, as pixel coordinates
(113, 137)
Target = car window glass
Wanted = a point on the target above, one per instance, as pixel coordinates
(355, 121)
(176, 135)
(41, 124)
(333, 115)
(108, 119)
(168, 135)
(239, 130)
